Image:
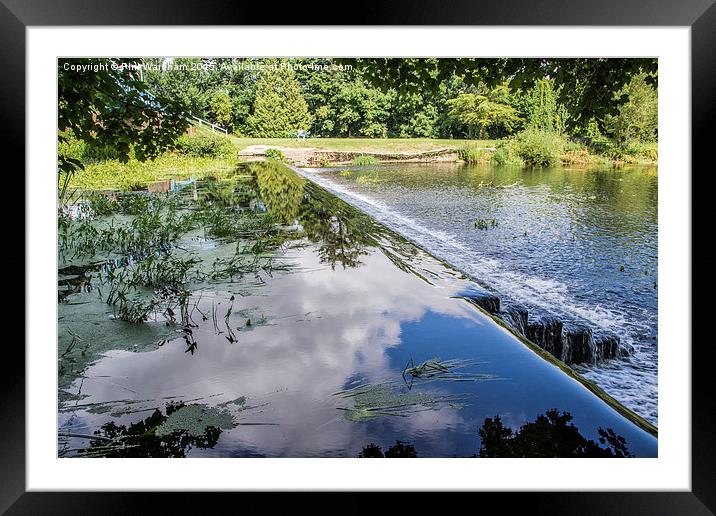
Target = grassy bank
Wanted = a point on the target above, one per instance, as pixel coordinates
(134, 174)
(387, 145)
(199, 155)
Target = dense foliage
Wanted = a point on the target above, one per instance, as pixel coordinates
(411, 98)
(122, 109)
(106, 103)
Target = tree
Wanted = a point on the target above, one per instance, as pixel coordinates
(105, 102)
(194, 83)
(543, 112)
(220, 105)
(189, 81)
(483, 112)
(279, 107)
(585, 86)
(638, 117)
(344, 104)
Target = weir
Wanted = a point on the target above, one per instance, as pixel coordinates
(571, 342)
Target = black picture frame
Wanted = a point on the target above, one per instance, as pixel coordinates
(699, 15)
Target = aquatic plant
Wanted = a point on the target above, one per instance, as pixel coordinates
(486, 223)
(163, 271)
(113, 174)
(154, 228)
(365, 160)
(241, 264)
(446, 370)
(385, 399)
(275, 155)
(195, 419)
(368, 179)
(228, 224)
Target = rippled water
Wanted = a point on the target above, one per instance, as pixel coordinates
(577, 243)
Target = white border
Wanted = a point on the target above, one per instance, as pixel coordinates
(671, 471)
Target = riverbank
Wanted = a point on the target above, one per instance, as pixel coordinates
(547, 150)
(209, 155)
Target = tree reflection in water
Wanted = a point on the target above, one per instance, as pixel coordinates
(139, 440)
(549, 435)
(399, 450)
(343, 234)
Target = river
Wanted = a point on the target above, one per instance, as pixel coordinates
(275, 320)
(576, 243)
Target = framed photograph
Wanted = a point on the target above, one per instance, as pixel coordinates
(268, 253)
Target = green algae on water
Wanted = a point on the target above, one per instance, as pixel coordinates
(371, 401)
(195, 420)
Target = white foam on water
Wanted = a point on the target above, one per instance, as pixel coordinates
(627, 380)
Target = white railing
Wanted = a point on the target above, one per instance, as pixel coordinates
(214, 127)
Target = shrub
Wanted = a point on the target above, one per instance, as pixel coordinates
(602, 145)
(644, 151)
(205, 146)
(505, 155)
(473, 155)
(576, 153)
(275, 154)
(71, 147)
(577, 157)
(650, 151)
(365, 161)
(538, 148)
(85, 152)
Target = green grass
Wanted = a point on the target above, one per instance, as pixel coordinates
(407, 145)
(112, 174)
